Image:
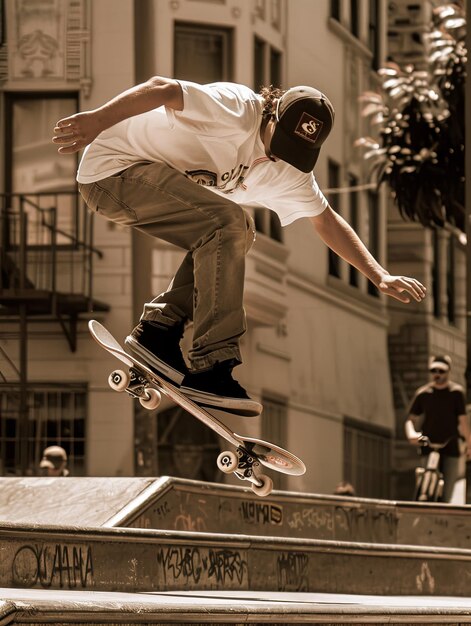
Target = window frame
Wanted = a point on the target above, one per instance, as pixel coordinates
(227, 34)
(354, 274)
(37, 437)
(334, 173)
(370, 474)
(12, 97)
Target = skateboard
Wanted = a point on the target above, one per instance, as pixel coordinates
(145, 384)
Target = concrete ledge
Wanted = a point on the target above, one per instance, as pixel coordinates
(91, 607)
(177, 504)
(134, 560)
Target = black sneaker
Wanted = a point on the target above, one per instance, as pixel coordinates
(159, 346)
(217, 389)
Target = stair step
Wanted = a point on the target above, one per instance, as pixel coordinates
(91, 607)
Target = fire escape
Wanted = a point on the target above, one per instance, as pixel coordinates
(46, 273)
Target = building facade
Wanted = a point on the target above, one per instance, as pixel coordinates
(317, 351)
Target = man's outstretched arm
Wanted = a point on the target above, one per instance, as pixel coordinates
(77, 131)
(343, 240)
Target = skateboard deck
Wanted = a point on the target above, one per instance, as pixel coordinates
(145, 384)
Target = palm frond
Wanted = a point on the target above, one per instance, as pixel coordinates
(419, 117)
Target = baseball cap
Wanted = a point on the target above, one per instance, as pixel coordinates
(440, 362)
(305, 117)
(53, 457)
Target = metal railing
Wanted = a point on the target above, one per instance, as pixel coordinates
(46, 243)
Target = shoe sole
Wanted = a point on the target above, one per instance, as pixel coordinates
(163, 369)
(238, 406)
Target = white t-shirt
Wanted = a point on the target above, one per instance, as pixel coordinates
(215, 141)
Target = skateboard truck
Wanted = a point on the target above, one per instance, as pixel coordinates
(241, 464)
(136, 386)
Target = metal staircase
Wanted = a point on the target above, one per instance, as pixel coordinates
(46, 273)
(46, 259)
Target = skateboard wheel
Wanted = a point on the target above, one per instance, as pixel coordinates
(265, 488)
(118, 380)
(151, 400)
(227, 462)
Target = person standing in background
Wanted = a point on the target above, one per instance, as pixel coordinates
(54, 462)
(438, 411)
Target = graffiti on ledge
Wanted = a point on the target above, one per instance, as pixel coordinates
(191, 565)
(53, 566)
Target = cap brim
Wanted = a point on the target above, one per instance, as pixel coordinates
(284, 147)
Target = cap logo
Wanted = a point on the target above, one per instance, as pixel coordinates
(308, 127)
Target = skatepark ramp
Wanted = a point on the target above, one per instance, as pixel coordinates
(177, 504)
(166, 550)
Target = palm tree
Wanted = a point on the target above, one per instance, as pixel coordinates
(420, 119)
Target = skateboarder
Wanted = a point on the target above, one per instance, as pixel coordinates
(179, 160)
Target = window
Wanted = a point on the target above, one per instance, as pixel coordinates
(274, 428)
(334, 183)
(354, 18)
(33, 163)
(268, 223)
(259, 63)
(56, 415)
(267, 63)
(450, 280)
(367, 458)
(335, 9)
(374, 30)
(373, 233)
(203, 54)
(275, 67)
(2, 23)
(444, 276)
(354, 223)
(436, 282)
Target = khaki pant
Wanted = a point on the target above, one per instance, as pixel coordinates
(208, 286)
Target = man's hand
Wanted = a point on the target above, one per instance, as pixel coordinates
(77, 131)
(399, 286)
(416, 441)
(344, 241)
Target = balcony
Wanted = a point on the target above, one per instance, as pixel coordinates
(46, 258)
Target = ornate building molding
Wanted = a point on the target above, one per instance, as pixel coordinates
(47, 45)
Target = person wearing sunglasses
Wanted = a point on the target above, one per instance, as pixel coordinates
(181, 161)
(438, 411)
